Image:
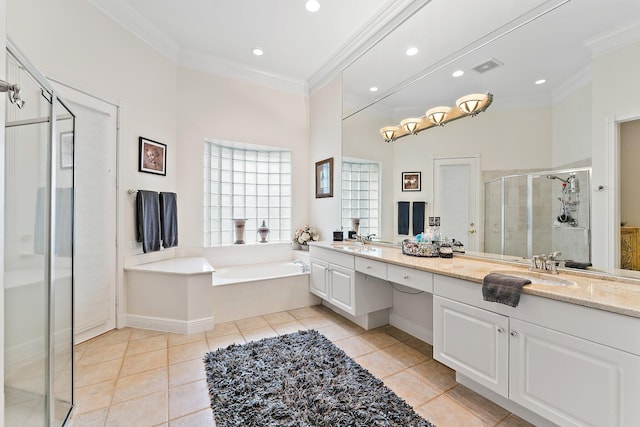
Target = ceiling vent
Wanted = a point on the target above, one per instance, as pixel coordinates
(488, 65)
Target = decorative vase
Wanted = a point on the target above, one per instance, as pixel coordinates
(355, 224)
(304, 247)
(296, 246)
(239, 223)
(263, 232)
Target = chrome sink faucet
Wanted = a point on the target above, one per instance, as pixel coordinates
(545, 263)
(365, 239)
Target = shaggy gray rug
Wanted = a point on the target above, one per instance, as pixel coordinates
(300, 379)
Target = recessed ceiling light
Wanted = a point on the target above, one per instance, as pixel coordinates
(257, 51)
(373, 89)
(457, 73)
(412, 51)
(541, 81)
(312, 5)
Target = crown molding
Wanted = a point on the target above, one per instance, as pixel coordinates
(221, 67)
(614, 39)
(393, 15)
(133, 21)
(580, 79)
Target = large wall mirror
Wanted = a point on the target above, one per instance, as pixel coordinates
(549, 166)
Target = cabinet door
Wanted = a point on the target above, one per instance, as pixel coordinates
(472, 341)
(572, 381)
(318, 283)
(341, 288)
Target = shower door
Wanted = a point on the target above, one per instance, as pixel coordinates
(38, 279)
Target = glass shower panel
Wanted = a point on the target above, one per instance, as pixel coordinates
(515, 215)
(62, 352)
(493, 216)
(27, 138)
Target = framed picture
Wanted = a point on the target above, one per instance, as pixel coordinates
(66, 150)
(411, 181)
(152, 157)
(324, 178)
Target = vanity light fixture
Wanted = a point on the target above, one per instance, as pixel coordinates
(438, 115)
(410, 125)
(469, 105)
(312, 5)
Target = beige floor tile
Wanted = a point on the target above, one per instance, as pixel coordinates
(145, 345)
(304, 312)
(184, 352)
(138, 334)
(258, 334)
(93, 397)
(514, 421)
(142, 384)
(340, 331)
(102, 354)
(143, 362)
(398, 334)
(421, 346)
(186, 372)
(435, 374)
(354, 346)
(97, 373)
(222, 329)
(482, 407)
(380, 364)
(277, 318)
(146, 411)
(406, 355)
(409, 387)
(288, 327)
(179, 339)
(443, 411)
(251, 323)
(202, 418)
(225, 341)
(188, 398)
(115, 336)
(317, 322)
(379, 339)
(89, 419)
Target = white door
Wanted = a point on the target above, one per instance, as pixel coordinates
(455, 198)
(95, 214)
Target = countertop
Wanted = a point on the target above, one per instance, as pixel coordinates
(620, 296)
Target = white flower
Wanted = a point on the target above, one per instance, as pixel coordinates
(305, 234)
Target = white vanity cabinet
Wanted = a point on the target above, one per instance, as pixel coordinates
(335, 280)
(473, 342)
(556, 359)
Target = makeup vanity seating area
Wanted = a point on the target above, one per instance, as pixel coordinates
(567, 355)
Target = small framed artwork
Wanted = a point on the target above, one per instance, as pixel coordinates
(324, 178)
(411, 181)
(152, 157)
(66, 150)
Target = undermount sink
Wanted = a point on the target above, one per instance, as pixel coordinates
(539, 278)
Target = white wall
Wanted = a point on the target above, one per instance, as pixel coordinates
(325, 127)
(572, 128)
(630, 173)
(222, 108)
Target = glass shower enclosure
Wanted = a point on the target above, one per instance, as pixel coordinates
(538, 213)
(38, 262)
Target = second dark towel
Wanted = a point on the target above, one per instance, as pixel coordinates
(403, 218)
(148, 220)
(169, 219)
(418, 217)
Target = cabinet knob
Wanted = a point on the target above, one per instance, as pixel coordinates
(406, 277)
(500, 330)
(513, 333)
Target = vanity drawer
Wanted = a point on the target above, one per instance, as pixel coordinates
(337, 258)
(371, 267)
(410, 277)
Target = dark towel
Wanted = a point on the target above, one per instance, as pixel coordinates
(148, 220)
(418, 217)
(169, 219)
(503, 288)
(403, 218)
(575, 264)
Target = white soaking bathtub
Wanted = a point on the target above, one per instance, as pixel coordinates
(252, 290)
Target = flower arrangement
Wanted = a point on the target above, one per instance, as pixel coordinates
(305, 234)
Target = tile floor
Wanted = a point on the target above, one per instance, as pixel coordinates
(134, 377)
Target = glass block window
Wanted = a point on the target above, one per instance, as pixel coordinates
(361, 195)
(249, 182)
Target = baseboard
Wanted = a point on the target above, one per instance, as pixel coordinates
(170, 325)
(33, 350)
(411, 328)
